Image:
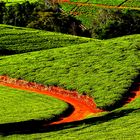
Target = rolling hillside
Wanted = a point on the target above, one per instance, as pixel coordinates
(97, 81)
(110, 2)
(91, 72)
(104, 70)
(21, 40)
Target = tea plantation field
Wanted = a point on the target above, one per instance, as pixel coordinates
(107, 70)
(18, 106)
(15, 40)
(120, 124)
(103, 69)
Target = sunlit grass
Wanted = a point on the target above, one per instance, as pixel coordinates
(18, 105)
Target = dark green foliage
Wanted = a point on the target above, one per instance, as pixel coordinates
(114, 23)
(100, 23)
(37, 15)
(2, 10)
(104, 22)
(19, 14)
(57, 22)
(21, 40)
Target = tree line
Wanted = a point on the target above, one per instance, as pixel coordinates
(40, 16)
(106, 23)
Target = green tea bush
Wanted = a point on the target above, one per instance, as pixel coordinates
(15, 40)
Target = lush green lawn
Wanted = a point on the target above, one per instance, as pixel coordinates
(20, 40)
(18, 105)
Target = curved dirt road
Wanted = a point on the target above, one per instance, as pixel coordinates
(82, 104)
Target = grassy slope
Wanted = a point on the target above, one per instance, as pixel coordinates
(111, 125)
(105, 70)
(20, 40)
(18, 105)
(68, 7)
(107, 2)
(121, 124)
(132, 3)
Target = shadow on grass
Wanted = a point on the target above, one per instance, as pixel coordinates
(127, 95)
(42, 126)
(6, 52)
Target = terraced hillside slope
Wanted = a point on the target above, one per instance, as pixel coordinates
(106, 70)
(109, 2)
(91, 72)
(15, 40)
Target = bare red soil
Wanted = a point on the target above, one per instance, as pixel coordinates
(135, 93)
(83, 104)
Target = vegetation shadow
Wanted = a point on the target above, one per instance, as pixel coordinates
(43, 126)
(7, 52)
(130, 93)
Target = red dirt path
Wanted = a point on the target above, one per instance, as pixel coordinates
(83, 104)
(136, 93)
